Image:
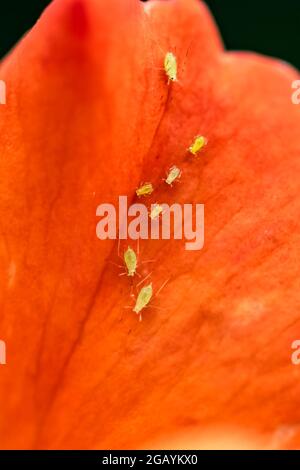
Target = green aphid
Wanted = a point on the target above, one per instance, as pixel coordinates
(145, 189)
(170, 66)
(130, 261)
(198, 144)
(174, 174)
(155, 211)
(143, 299)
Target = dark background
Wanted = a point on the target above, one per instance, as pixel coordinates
(271, 27)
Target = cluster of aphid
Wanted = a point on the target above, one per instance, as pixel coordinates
(145, 294)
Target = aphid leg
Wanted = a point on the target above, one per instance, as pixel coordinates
(132, 288)
(152, 307)
(139, 275)
(177, 182)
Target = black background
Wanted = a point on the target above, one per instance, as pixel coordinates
(271, 27)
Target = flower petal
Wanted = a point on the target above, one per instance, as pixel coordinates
(78, 90)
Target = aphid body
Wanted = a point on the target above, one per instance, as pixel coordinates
(173, 174)
(145, 189)
(143, 299)
(155, 211)
(130, 261)
(170, 66)
(198, 145)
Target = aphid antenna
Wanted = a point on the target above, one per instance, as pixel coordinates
(128, 246)
(172, 184)
(124, 273)
(119, 245)
(143, 280)
(162, 287)
(148, 261)
(115, 264)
